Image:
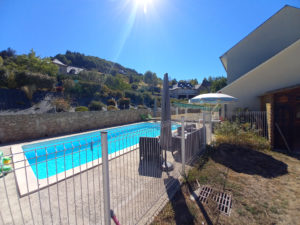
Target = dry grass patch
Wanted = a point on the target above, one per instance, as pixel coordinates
(264, 186)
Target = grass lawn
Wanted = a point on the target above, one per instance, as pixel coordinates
(265, 187)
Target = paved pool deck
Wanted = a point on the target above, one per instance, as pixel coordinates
(136, 193)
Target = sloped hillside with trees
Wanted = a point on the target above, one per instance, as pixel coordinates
(31, 84)
(100, 82)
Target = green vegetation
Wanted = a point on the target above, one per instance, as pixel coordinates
(124, 103)
(96, 106)
(61, 105)
(240, 134)
(145, 117)
(100, 81)
(81, 109)
(217, 84)
(111, 108)
(256, 178)
(111, 102)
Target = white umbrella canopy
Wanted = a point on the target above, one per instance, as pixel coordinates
(213, 98)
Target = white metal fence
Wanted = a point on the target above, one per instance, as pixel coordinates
(256, 120)
(79, 181)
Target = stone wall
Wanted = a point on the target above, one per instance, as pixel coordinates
(25, 127)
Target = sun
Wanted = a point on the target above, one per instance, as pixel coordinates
(144, 4)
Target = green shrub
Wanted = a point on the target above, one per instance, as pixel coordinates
(115, 94)
(111, 108)
(142, 107)
(95, 106)
(134, 87)
(26, 78)
(4, 75)
(124, 103)
(146, 117)
(241, 134)
(111, 102)
(81, 109)
(61, 105)
(135, 97)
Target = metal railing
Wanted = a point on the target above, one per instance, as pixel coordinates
(255, 119)
(80, 181)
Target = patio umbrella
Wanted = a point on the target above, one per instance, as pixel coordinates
(213, 98)
(165, 126)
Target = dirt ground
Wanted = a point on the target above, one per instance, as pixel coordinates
(265, 187)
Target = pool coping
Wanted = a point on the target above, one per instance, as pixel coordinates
(28, 183)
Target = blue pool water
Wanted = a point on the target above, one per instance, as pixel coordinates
(52, 157)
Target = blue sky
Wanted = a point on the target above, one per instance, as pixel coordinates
(182, 37)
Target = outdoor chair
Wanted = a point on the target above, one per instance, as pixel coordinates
(192, 144)
(189, 128)
(150, 157)
(150, 150)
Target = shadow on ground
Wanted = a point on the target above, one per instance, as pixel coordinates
(150, 169)
(182, 214)
(294, 154)
(248, 161)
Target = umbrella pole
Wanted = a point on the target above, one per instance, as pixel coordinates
(166, 165)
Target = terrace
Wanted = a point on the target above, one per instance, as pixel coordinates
(137, 190)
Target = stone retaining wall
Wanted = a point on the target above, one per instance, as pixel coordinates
(25, 127)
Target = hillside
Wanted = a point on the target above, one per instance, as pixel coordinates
(94, 84)
(100, 84)
(95, 63)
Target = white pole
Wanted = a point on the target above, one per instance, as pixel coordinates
(105, 173)
(204, 129)
(182, 146)
(210, 127)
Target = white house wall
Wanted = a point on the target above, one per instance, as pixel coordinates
(276, 34)
(281, 71)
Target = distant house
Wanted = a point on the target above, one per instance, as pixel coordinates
(187, 90)
(62, 67)
(263, 72)
(65, 69)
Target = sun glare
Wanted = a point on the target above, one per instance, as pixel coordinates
(144, 4)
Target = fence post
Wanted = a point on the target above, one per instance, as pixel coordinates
(204, 129)
(182, 146)
(210, 127)
(155, 107)
(105, 173)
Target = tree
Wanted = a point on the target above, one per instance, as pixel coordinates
(135, 97)
(173, 82)
(25, 78)
(61, 105)
(150, 79)
(95, 106)
(194, 82)
(111, 102)
(1, 61)
(134, 87)
(124, 103)
(218, 83)
(8, 53)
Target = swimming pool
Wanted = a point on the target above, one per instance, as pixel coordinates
(49, 158)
